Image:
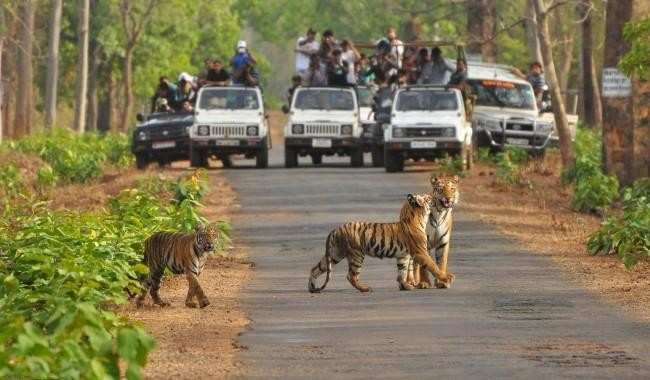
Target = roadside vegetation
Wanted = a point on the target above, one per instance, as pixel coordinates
(63, 273)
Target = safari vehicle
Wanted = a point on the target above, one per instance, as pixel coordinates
(427, 122)
(505, 111)
(323, 121)
(373, 134)
(229, 120)
(162, 138)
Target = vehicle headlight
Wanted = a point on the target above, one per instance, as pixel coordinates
(142, 135)
(203, 130)
(398, 132)
(251, 130)
(544, 127)
(297, 129)
(449, 132)
(346, 129)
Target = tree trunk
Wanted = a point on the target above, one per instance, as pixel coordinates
(91, 119)
(591, 104)
(481, 22)
(2, 42)
(559, 111)
(82, 67)
(531, 33)
(52, 65)
(618, 140)
(22, 117)
(127, 72)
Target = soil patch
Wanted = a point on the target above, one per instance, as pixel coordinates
(541, 219)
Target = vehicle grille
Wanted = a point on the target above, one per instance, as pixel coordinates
(322, 129)
(228, 130)
(166, 133)
(422, 132)
(523, 125)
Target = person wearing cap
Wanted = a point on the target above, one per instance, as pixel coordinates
(306, 46)
(241, 60)
(436, 71)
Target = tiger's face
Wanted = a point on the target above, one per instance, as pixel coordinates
(445, 190)
(206, 237)
(419, 207)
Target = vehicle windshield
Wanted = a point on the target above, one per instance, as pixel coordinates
(497, 93)
(365, 95)
(324, 99)
(226, 98)
(426, 100)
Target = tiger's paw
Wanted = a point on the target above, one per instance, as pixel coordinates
(366, 289)
(406, 286)
(191, 304)
(204, 302)
(162, 303)
(445, 282)
(424, 285)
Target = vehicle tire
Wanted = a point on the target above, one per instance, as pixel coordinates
(377, 154)
(356, 158)
(226, 161)
(196, 157)
(290, 157)
(393, 161)
(316, 158)
(262, 158)
(141, 161)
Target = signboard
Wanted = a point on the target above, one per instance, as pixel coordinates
(616, 84)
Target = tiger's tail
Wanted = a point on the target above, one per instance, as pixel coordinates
(317, 270)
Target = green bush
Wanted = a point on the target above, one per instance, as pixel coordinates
(593, 190)
(627, 235)
(483, 155)
(11, 180)
(449, 165)
(509, 165)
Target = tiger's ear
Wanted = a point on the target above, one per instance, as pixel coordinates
(197, 227)
(414, 201)
(456, 178)
(434, 178)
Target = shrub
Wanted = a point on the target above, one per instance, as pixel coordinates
(509, 165)
(449, 165)
(627, 235)
(483, 155)
(11, 180)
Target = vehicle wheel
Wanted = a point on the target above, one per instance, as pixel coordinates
(196, 157)
(226, 161)
(393, 161)
(141, 161)
(377, 154)
(356, 158)
(290, 157)
(317, 158)
(262, 158)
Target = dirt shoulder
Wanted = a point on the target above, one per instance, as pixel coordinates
(541, 219)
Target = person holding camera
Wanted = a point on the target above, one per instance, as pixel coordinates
(306, 46)
(242, 64)
(316, 74)
(337, 70)
(165, 90)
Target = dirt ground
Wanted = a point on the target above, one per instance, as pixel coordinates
(541, 219)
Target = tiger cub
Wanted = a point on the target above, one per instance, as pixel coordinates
(400, 240)
(445, 195)
(181, 253)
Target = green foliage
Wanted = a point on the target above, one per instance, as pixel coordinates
(449, 165)
(483, 155)
(637, 60)
(509, 165)
(11, 181)
(627, 235)
(593, 191)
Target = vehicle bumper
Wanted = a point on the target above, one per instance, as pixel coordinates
(174, 149)
(525, 140)
(424, 148)
(325, 145)
(229, 146)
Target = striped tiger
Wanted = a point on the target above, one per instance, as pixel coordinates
(402, 240)
(182, 254)
(445, 195)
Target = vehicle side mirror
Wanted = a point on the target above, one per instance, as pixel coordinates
(139, 117)
(285, 108)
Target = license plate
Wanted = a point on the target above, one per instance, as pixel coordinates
(163, 144)
(321, 143)
(514, 141)
(227, 142)
(423, 144)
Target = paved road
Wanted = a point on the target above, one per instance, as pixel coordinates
(509, 313)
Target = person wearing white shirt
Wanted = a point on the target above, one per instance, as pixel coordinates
(351, 56)
(306, 46)
(396, 46)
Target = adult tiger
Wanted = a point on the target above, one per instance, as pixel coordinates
(445, 195)
(181, 253)
(400, 240)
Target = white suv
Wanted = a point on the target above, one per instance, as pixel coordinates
(229, 120)
(427, 122)
(323, 121)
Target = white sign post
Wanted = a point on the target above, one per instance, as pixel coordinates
(616, 84)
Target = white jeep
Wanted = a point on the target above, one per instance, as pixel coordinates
(323, 121)
(427, 122)
(229, 120)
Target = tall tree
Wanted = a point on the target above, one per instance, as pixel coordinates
(22, 118)
(82, 66)
(591, 103)
(52, 75)
(135, 15)
(531, 33)
(481, 23)
(559, 111)
(3, 33)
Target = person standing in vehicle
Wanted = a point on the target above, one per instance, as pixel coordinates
(296, 81)
(306, 46)
(316, 76)
(238, 62)
(337, 70)
(535, 78)
(436, 70)
(217, 75)
(396, 47)
(350, 55)
(327, 46)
